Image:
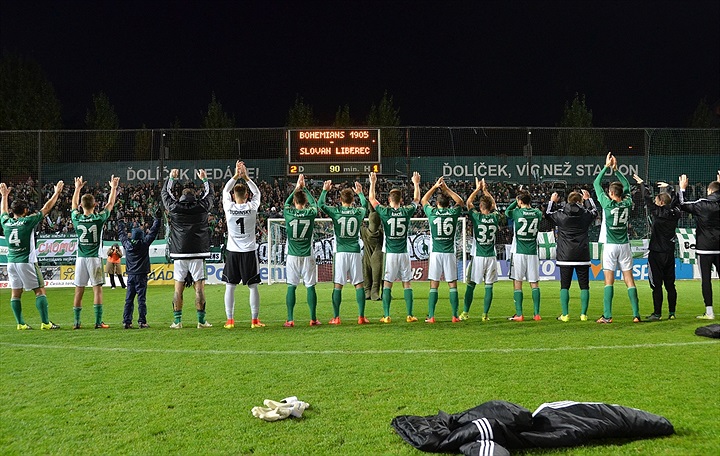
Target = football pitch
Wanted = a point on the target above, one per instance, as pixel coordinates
(190, 391)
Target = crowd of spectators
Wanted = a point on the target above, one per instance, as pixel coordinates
(136, 203)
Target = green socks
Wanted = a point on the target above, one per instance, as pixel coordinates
(76, 312)
(386, 301)
(469, 293)
(607, 301)
(41, 303)
(432, 302)
(488, 298)
(312, 302)
(360, 298)
(98, 313)
(290, 301)
(584, 301)
(336, 300)
(408, 294)
(634, 302)
(565, 301)
(454, 301)
(201, 316)
(518, 298)
(177, 316)
(16, 306)
(536, 300)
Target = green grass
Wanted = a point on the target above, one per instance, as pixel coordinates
(161, 391)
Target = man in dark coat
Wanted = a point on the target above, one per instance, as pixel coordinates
(137, 267)
(573, 246)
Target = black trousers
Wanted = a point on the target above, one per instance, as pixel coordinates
(706, 262)
(136, 285)
(662, 271)
(583, 276)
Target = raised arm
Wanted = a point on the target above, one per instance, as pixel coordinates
(251, 185)
(589, 203)
(49, 204)
(371, 192)
(426, 198)
(473, 195)
(623, 180)
(228, 189)
(416, 185)
(455, 197)
(114, 181)
(327, 185)
(168, 198)
(359, 192)
(4, 193)
(150, 237)
(208, 191)
(79, 184)
(644, 192)
(511, 208)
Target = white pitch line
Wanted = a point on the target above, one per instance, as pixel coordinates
(357, 352)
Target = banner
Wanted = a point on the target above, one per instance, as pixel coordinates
(138, 172)
(547, 248)
(573, 170)
(686, 242)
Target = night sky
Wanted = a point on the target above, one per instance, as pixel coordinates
(449, 63)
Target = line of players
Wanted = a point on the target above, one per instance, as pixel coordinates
(189, 246)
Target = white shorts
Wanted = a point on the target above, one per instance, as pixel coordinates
(196, 268)
(301, 269)
(347, 265)
(483, 269)
(615, 255)
(89, 271)
(25, 275)
(397, 266)
(525, 267)
(442, 264)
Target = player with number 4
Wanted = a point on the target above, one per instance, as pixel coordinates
(395, 218)
(616, 252)
(22, 267)
(524, 259)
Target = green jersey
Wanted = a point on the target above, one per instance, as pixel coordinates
(299, 224)
(614, 228)
(443, 226)
(346, 223)
(525, 228)
(396, 223)
(89, 232)
(20, 237)
(485, 228)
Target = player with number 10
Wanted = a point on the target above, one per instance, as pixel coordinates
(347, 262)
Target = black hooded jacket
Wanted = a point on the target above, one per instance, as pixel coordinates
(189, 230)
(573, 222)
(137, 258)
(707, 215)
(664, 222)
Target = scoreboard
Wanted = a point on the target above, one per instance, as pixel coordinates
(334, 151)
